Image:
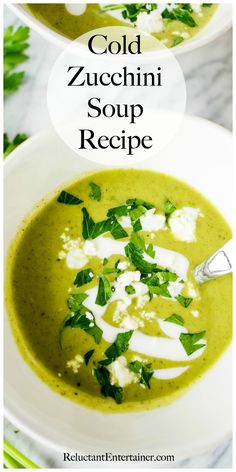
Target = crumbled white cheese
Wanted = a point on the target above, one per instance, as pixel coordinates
(150, 22)
(196, 7)
(195, 313)
(149, 221)
(76, 259)
(131, 322)
(175, 288)
(152, 222)
(148, 315)
(75, 252)
(75, 364)
(183, 34)
(120, 374)
(128, 277)
(192, 292)
(182, 223)
(123, 265)
(76, 9)
(89, 248)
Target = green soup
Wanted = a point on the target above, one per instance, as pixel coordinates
(100, 291)
(173, 25)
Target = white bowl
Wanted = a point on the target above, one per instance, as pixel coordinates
(201, 418)
(219, 23)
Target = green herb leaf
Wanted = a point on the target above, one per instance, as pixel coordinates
(184, 16)
(177, 40)
(150, 251)
(143, 370)
(161, 290)
(118, 211)
(135, 255)
(136, 202)
(180, 14)
(80, 319)
(177, 319)
(68, 198)
(8, 146)
(88, 355)
(189, 341)
(92, 230)
(207, 5)
(104, 291)
(184, 301)
(95, 192)
(103, 377)
(169, 207)
(117, 230)
(83, 277)
(120, 345)
(130, 11)
(75, 301)
(101, 227)
(130, 289)
(135, 215)
(14, 45)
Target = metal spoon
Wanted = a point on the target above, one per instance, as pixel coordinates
(216, 265)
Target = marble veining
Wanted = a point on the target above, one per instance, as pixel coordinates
(208, 74)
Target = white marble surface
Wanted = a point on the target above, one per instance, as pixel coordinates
(208, 74)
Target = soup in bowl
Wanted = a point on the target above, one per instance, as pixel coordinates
(182, 27)
(101, 294)
(74, 285)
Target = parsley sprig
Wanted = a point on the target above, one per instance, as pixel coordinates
(14, 47)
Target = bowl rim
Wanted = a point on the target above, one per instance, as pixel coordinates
(62, 41)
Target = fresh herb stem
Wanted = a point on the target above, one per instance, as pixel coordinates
(13, 454)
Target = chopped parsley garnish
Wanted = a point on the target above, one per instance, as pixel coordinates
(135, 214)
(88, 355)
(160, 277)
(189, 341)
(118, 211)
(177, 40)
(95, 192)
(177, 319)
(169, 207)
(120, 345)
(184, 301)
(135, 202)
(206, 5)
(103, 377)
(83, 277)
(130, 11)
(161, 290)
(104, 291)
(130, 289)
(180, 14)
(75, 301)
(68, 198)
(14, 46)
(117, 230)
(9, 146)
(135, 255)
(150, 251)
(143, 370)
(80, 317)
(92, 230)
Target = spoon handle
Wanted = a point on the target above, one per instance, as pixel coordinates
(220, 263)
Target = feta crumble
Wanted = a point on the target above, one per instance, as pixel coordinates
(75, 364)
(150, 22)
(182, 223)
(120, 374)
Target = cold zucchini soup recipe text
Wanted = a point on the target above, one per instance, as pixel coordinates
(100, 287)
